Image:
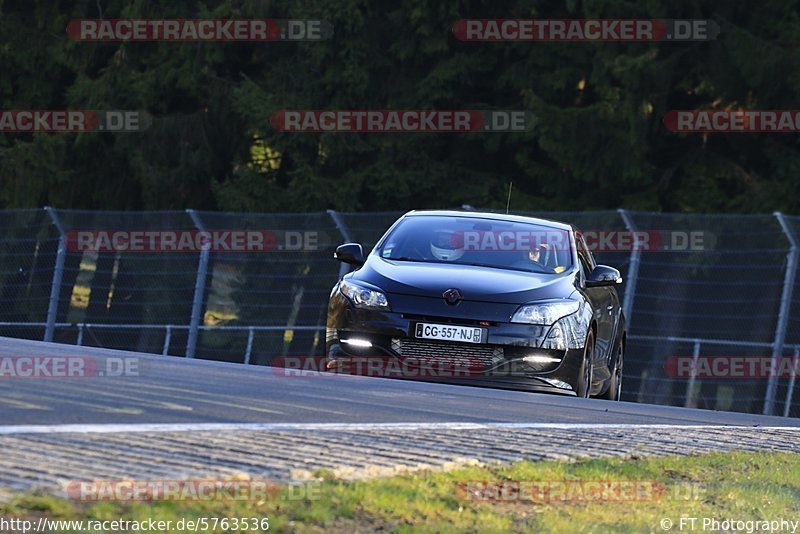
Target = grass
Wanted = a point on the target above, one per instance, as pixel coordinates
(740, 486)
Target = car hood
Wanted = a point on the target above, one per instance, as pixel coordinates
(478, 284)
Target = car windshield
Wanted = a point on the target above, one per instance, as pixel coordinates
(481, 242)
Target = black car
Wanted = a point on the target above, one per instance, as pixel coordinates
(498, 300)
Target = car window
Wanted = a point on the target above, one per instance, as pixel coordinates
(501, 244)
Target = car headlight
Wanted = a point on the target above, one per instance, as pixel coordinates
(362, 297)
(545, 313)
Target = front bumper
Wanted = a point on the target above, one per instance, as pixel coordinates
(380, 343)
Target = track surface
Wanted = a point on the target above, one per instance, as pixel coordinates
(182, 419)
(176, 390)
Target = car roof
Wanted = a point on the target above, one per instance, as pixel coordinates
(492, 215)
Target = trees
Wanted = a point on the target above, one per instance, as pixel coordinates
(598, 143)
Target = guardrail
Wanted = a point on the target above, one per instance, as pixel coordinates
(169, 328)
(696, 347)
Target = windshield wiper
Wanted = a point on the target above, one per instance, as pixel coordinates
(402, 258)
(418, 260)
(501, 267)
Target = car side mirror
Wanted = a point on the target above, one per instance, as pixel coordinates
(351, 253)
(603, 275)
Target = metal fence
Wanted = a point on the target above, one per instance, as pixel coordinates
(731, 297)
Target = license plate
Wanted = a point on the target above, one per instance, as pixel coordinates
(446, 332)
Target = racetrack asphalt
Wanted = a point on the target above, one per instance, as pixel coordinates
(175, 419)
(176, 390)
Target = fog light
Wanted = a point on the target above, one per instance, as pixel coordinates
(540, 358)
(357, 342)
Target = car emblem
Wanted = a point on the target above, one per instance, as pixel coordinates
(452, 296)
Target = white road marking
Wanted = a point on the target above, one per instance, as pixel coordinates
(350, 427)
(24, 405)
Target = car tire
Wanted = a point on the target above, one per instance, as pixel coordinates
(614, 391)
(584, 381)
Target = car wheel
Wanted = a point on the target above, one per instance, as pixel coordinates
(614, 391)
(585, 373)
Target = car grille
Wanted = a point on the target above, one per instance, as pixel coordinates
(472, 355)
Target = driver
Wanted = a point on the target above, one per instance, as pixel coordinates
(446, 245)
(537, 254)
(544, 256)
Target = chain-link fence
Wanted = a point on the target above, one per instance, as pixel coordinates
(705, 286)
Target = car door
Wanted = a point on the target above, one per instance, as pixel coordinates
(602, 301)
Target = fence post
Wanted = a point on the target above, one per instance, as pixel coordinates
(690, 385)
(58, 275)
(249, 346)
(783, 314)
(167, 339)
(790, 391)
(633, 270)
(337, 220)
(199, 289)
